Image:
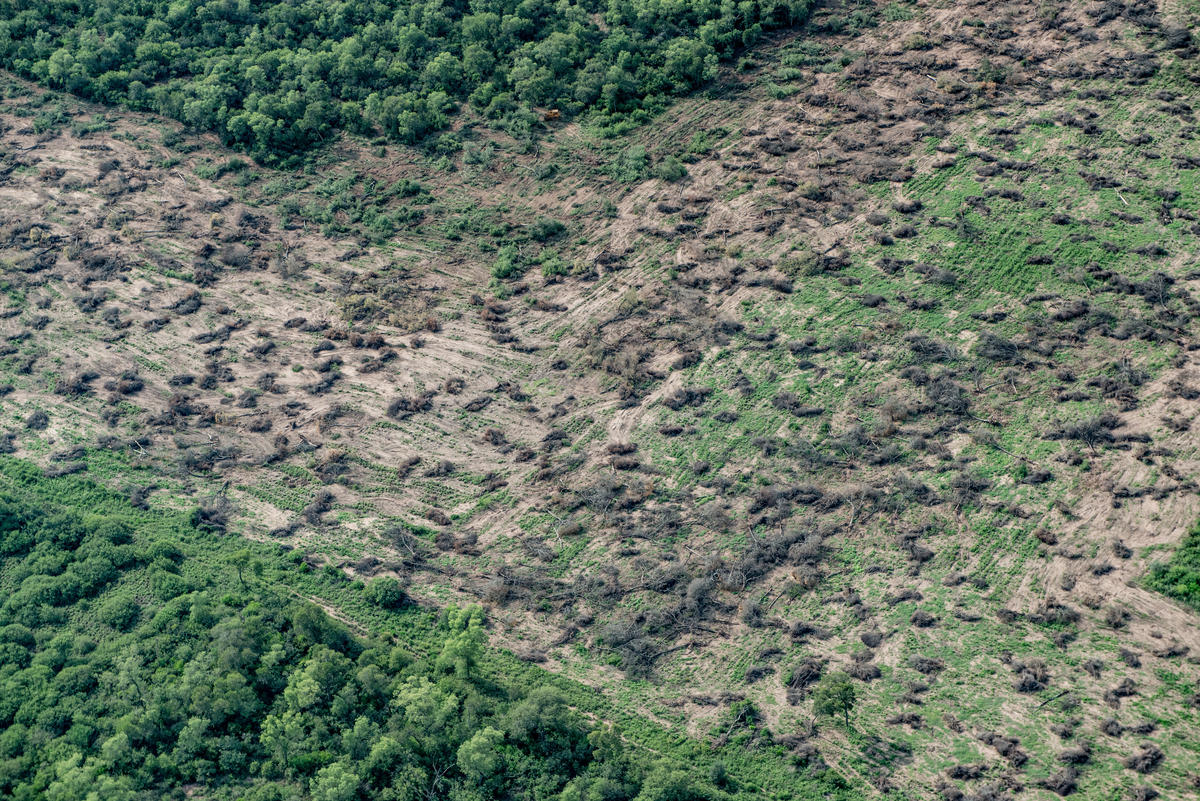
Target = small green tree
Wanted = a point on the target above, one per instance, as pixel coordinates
(243, 560)
(463, 647)
(836, 695)
(386, 592)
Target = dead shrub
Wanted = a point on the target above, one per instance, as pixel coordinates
(1116, 617)
(805, 674)
(863, 671)
(1146, 760)
(910, 719)
(926, 664)
(403, 408)
(1063, 783)
(1032, 676)
(686, 396)
(922, 619)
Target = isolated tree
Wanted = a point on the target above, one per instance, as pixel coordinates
(836, 695)
(463, 647)
(386, 592)
(244, 560)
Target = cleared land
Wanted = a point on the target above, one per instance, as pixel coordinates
(880, 358)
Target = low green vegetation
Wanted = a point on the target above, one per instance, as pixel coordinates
(1179, 578)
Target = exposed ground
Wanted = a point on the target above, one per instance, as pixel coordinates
(899, 379)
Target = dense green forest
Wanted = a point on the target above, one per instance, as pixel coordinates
(276, 78)
(137, 660)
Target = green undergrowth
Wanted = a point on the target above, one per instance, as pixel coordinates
(1179, 577)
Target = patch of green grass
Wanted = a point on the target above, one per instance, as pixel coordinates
(1179, 578)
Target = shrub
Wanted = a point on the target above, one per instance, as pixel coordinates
(546, 229)
(670, 169)
(508, 263)
(386, 592)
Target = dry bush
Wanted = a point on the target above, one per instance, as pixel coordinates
(923, 619)
(322, 502)
(1146, 760)
(1116, 617)
(213, 515)
(911, 719)
(926, 664)
(864, 671)
(443, 468)
(1064, 782)
(1076, 755)
(403, 408)
(1032, 676)
(965, 773)
(805, 674)
(1130, 658)
(686, 396)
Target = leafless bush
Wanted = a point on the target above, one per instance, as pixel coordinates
(76, 385)
(212, 515)
(443, 468)
(966, 773)
(926, 664)
(1092, 431)
(1046, 536)
(1116, 617)
(322, 502)
(757, 673)
(997, 349)
(403, 408)
(805, 674)
(863, 671)
(1146, 760)
(906, 719)
(922, 619)
(1032, 676)
(1130, 658)
(1053, 612)
(1064, 782)
(686, 396)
